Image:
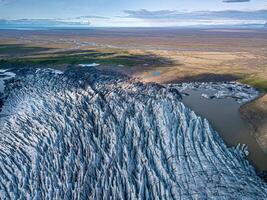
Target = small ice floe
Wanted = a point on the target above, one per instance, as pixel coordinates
(89, 65)
(120, 65)
(205, 96)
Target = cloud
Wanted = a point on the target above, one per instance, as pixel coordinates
(197, 15)
(9, 23)
(80, 21)
(146, 14)
(235, 1)
(147, 18)
(196, 18)
(92, 17)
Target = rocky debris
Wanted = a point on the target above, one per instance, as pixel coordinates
(86, 134)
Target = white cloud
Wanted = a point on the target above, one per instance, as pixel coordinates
(146, 18)
(235, 1)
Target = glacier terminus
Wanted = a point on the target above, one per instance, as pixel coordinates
(90, 134)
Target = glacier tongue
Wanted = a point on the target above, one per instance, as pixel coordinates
(87, 134)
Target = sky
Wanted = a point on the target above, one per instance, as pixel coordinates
(125, 13)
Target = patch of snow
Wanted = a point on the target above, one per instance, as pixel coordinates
(205, 96)
(89, 65)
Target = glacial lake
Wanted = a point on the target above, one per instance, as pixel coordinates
(225, 118)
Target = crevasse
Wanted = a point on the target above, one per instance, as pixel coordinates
(89, 134)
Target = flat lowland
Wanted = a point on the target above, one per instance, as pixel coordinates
(152, 54)
(163, 55)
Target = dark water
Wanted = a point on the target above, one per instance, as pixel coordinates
(224, 116)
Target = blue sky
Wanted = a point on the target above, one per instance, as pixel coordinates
(131, 13)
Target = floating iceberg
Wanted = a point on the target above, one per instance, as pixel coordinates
(87, 134)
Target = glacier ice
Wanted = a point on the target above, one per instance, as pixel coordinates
(89, 65)
(89, 134)
(4, 75)
(242, 93)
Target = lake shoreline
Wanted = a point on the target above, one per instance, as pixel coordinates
(223, 111)
(255, 114)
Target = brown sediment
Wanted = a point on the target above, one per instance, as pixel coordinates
(255, 114)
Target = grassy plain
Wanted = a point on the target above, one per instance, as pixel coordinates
(176, 54)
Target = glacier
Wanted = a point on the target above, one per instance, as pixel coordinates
(90, 134)
(242, 93)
